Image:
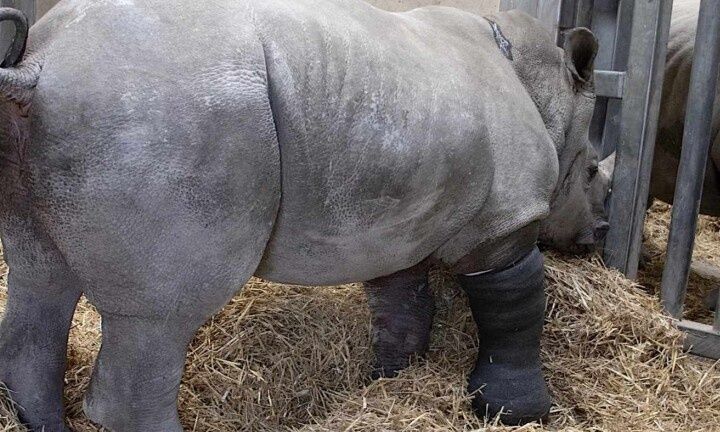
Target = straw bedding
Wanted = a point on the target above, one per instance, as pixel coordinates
(297, 358)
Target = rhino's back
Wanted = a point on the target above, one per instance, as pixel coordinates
(389, 127)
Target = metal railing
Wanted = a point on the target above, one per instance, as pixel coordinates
(702, 339)
(631, 65)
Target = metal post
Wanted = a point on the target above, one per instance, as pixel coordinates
(693, 160)
(547, 11)
(640, 110)
(605, 130)
(584, 13)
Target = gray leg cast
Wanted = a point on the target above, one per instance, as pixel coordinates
(402, 307)
(508, 307)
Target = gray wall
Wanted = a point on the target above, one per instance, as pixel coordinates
(476, 6)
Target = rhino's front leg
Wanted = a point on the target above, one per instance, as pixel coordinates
(508, 307)
(402, 307)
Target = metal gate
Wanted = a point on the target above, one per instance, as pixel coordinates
(630, 70)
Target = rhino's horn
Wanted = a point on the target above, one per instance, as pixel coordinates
(607, 165)
(17, 80)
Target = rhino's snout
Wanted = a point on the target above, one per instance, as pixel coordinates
(601, 229)
(593, 235)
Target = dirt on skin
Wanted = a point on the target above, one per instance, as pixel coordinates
(284, 357)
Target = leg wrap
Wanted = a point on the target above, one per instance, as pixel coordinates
(402, 307)
(508, 307)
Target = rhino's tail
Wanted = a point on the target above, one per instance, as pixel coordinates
(17, 78)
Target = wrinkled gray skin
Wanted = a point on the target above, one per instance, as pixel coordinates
(672, 114)
(170, 151)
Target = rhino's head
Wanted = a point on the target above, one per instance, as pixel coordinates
(560, 82)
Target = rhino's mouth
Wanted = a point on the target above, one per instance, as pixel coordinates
(573, 248)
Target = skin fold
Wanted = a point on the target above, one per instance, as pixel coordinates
(157, 156)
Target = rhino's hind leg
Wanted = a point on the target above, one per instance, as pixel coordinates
(137, 374)
(508, 307)
(146, 331)
(402, 307)
(34, 331)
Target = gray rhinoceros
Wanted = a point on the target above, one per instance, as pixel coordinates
(155, 155)
(671, 125)
(681, 47)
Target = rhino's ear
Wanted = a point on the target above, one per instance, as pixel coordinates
(581, 47)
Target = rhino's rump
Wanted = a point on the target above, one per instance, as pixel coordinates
(391, 129)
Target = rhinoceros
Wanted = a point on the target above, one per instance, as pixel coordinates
(154, 156)
(671, 125)
(681, 48)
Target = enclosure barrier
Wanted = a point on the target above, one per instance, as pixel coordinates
(629, 73)
(702, 339)
(633, 39)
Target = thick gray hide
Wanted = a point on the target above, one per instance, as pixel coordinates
(672, 113)
(396, 131)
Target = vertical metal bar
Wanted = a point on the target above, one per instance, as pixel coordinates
(693, 159)
(584, 13)
(566, 19)
(611, 129)
(716, 321)
(606, 14)
(528, 6)
(549, 13)
(640, 110)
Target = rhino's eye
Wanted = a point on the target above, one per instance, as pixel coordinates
(592, 172)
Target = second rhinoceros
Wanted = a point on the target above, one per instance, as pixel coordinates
(155, 155)
(681, 47)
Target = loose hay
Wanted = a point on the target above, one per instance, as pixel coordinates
(707, 249)
(295, 358)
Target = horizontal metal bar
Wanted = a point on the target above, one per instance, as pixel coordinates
(610, 84)
(701, 339)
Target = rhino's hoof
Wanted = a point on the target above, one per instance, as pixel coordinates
(519, 400)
